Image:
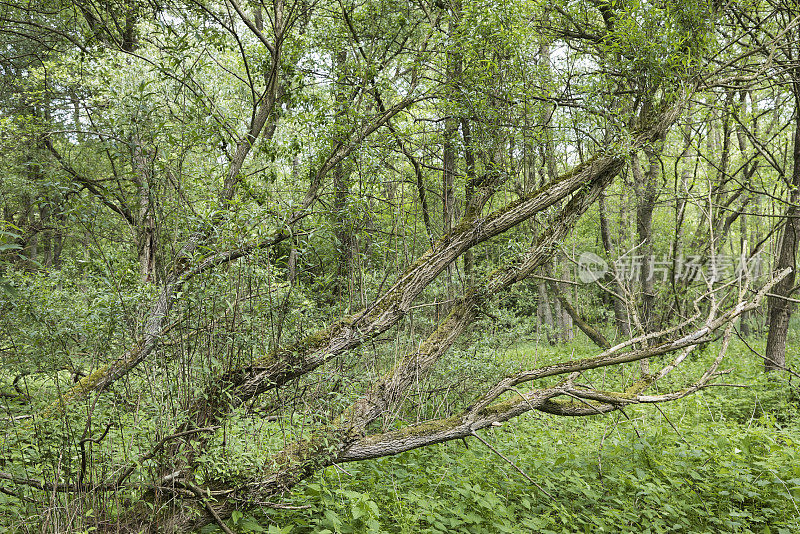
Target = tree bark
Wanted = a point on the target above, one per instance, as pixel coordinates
(545, 313)
(780, 309)
(646, 196)
(347, 442)
(343, 231)
(470, 209)
(620, 309)
(449, 153)
(146, 237)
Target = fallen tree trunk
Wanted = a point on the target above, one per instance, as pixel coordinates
(300, 460)
(306, 457)
(274, 370)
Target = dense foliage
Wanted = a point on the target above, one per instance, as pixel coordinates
(308, 266)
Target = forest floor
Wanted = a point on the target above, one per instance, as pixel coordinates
(723, 460)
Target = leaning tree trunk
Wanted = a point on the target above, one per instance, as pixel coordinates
(299, 462)
(592, 333)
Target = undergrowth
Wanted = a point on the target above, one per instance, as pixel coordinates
(723, 460)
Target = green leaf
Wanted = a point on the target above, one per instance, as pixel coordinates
(236, 516)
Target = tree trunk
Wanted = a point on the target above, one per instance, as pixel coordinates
(558, 318)
(744, 319)
(780, 309)
(449, 157)
(291, 261)
(620, 310)
(646, 196)
(470, 211)
(47, 233)
(146, 237)
(343, 231)
(545, 313)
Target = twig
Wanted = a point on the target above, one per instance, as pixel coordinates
(526, 399)
(587, 403)
(633, 426)
(342, 469)
(540, 277)
(781, 297)
(754, 351)
(216, 517)
(670, 423)
(82, 445)
(280, 506)
(16, 496)
(512, 464)
(198, 491)
(128, 470)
